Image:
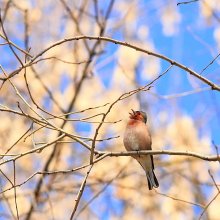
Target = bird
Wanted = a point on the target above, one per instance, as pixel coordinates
(137, 137)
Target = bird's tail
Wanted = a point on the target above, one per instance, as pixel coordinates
(152, 179)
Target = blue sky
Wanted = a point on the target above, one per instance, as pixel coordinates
(190, 45)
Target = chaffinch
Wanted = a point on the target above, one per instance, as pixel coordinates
(137, 137)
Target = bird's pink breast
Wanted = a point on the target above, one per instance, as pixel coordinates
(137, 136)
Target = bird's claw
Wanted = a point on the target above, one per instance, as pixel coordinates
(138, 153)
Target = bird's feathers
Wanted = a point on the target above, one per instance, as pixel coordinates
(137, 137)
(152, 180)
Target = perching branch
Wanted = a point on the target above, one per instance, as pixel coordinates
(160, 152)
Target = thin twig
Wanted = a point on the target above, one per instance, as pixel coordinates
(213, 199)
(188, 2)
(79, 195)
(210, 174)
(15, 193)
(16, 142)
(216, 148)
(38, 149)
(179, 200)
(6, 37)
(210, 64)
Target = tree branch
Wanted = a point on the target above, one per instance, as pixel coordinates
(160, 152)
(151, 53)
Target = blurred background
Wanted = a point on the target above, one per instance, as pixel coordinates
(68, 88)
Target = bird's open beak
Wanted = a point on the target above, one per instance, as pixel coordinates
(132, 113)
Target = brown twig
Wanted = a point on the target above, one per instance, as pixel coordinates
(212, 61)
(15, 193)
(38, 149)
(179, 200)
(7, 39)
(79, 195)
(213, 199)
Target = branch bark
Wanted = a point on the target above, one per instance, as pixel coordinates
(107, 39)
(160, 152)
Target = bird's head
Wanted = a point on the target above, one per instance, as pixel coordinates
(138, 115)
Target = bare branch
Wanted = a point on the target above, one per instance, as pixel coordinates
(78, 197)
(172, 62)
(161, 152)
(6, 37)
(213, 199)
(15, 193)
